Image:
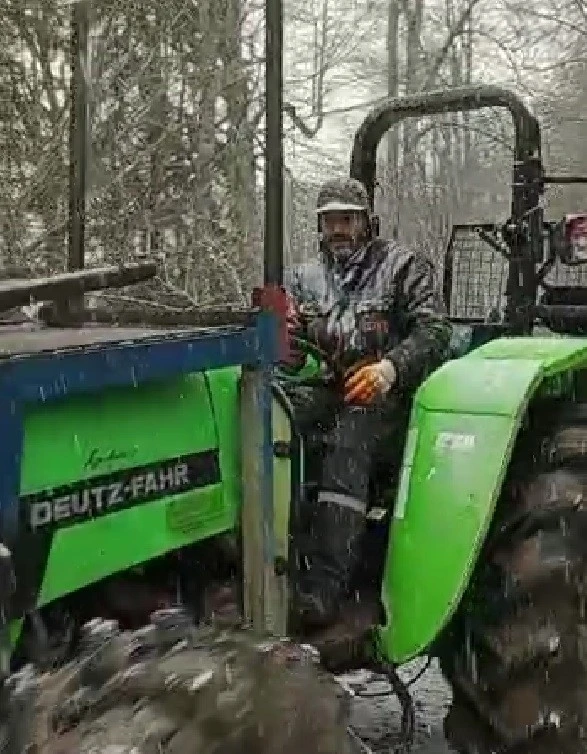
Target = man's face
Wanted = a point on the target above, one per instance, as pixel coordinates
(343, 231)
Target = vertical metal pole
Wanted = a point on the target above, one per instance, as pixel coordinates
(264, 593)
(78, 133)
(273, 259)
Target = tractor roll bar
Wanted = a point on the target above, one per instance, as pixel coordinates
(364, 156)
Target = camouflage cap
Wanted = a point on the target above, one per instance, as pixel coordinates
(342, 195)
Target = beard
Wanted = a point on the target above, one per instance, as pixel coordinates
(341, 247)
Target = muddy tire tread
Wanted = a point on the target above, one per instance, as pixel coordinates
(517, 650)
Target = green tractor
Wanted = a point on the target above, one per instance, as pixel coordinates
(155, 463)
(485, 564)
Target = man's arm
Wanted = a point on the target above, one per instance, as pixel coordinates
(300, 282)
(427, 328)
(291, 282)
(293, 289)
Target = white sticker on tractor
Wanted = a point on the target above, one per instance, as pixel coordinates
(454, 441)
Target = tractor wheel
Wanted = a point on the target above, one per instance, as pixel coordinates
(170, 687)
(517, 649)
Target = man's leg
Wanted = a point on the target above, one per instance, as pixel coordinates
(314, 409)
(331, 549)
(387, 461)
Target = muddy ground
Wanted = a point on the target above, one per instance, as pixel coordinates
(377, 712)
(442, 727)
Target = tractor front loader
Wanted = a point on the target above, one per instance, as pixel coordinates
(122, 471)
(129, 507)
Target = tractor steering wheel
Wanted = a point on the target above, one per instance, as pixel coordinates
(318, 368)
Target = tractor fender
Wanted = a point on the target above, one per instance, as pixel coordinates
(463, 427)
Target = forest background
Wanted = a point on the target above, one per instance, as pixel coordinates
(175, 151)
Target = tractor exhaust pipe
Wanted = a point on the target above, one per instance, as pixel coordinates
(273, 256)
(271, 296)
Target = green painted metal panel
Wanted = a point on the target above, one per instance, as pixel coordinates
(463, 427)
(123, 429)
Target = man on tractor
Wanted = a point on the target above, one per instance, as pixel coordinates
(371, 306)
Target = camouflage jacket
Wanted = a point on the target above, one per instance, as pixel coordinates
(383, 301)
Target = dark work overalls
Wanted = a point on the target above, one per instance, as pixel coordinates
(356, 312)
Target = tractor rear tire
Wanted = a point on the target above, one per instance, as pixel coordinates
(517, 649)
(170, 687)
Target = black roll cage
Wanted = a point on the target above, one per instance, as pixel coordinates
(524, 230)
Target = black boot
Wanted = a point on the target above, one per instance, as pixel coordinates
(339, 624)
(329, 554)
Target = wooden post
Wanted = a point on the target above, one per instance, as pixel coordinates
(260, 589)
(7, 589)
(69, 285)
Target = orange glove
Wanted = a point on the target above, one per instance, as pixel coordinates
(370, 382)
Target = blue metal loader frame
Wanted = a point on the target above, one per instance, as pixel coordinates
(44, 376)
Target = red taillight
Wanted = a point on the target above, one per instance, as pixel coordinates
(575, 229)
(572, 244)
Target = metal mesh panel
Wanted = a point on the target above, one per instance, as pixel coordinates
(479, 275)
